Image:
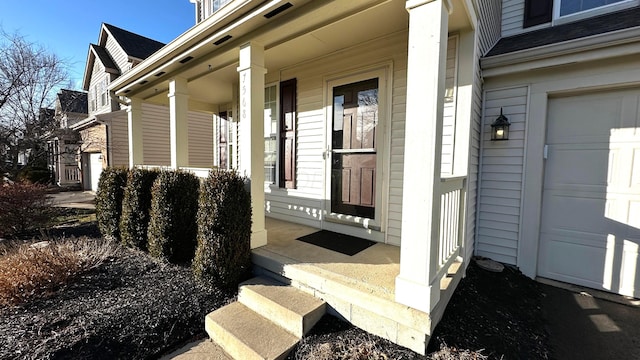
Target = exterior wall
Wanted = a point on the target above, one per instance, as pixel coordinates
(119, 140)
(502, 176)
(524, 97)
(155, 125)
(117, 54)
(449, 111)
(512, 17)
(97, 76)
(487, 34)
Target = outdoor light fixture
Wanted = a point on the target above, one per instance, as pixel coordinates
(500, 128)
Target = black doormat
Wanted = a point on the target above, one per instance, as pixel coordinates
(345, 244)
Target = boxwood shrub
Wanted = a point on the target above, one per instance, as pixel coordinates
(109, 201)
(223, 255)
(135, 208)
(172, 226)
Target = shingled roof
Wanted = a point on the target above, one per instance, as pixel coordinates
(72, 101)
(104, 57)
(134, 45)
(588, 27)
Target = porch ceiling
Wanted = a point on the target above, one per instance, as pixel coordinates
(307, 31)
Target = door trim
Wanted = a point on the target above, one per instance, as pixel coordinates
(337, 222)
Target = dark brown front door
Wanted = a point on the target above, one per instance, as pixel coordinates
(353, 158)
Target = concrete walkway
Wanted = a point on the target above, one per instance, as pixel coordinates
(74, 199)
(582, 326)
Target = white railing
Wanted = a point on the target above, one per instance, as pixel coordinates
(71, 174)
(452, 200)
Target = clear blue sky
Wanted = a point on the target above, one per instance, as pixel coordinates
(66, 27)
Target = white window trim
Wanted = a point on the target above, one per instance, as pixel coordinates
(558, 20)
(276, 182)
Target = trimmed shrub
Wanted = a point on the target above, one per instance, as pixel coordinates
(172, 226)
(109, 201)
(24, 209)
(35, 175)
(223, 255)
(135, 208)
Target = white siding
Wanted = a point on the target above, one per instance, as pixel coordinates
(512, 17)
(449, 111)
(119, 140)
(98, 76)
(502, 176)
(201, 138)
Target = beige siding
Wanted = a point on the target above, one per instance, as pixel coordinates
(488, 33)
(119, 140)
(117, 54)
(98, 75)
(512, 17)
(155, 126)
(501, 176)
(305, 203)
(201, 138)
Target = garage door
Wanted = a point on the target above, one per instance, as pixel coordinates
(590, 229)
(95, 166)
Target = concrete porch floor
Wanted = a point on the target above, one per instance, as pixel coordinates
(372, 270)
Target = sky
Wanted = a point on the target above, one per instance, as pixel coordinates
(66, 27)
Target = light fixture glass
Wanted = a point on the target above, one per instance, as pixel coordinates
(500, 128)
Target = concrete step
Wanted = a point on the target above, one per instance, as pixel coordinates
(244, 334)
(293, 310)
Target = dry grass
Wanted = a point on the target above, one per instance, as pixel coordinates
(29, 269)
(348, 349)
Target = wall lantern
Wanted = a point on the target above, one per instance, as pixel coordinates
(500, 128)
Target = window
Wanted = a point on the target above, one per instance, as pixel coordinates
(537, 12)
(270, 133)
(568, 7)
(92, 99)
(104, 98)
(218, 4)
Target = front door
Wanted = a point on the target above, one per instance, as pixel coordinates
(353, 149)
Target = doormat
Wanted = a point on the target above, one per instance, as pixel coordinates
(345, 244)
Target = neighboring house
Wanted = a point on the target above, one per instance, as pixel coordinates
(372, 118)
(63, 147)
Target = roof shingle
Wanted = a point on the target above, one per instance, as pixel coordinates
(134, 45)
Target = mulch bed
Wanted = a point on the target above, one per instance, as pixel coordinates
(135, 307)
(130, 307)
(497, 315)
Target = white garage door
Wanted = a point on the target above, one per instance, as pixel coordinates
(590, 230)
(95, 166)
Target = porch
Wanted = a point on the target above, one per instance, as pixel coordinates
(360, 288)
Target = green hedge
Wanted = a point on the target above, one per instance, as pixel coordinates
(223, 255)
(174, 205)
(135, 208)
(109, 201)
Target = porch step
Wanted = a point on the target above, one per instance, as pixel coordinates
(266, 322)
(293, 310)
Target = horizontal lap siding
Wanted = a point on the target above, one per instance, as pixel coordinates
(119, 140)
(155, 127)
(512, 17)
(305, 203)
(117, 54)
(201, 137)
(449, 111)
(501, 176)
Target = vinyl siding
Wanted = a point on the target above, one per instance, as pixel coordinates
(449, 111)
(156, 141)
(119, 140)
(98, 75)
(488, 33)
(304, 204)
(512, 17)
(502, 176)
(117, 54)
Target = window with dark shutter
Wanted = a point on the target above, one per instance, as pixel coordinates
(223, 131)
(537, 12)
(288, 94)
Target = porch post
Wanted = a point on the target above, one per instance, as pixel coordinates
(428, 22)
(251, 123)
(134, 122)
(178, 122)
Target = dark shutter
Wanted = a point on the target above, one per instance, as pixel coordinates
(223, 132)
(288, 94)
(537, 12)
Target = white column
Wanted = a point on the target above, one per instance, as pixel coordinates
(251, 123)
(178, 122)
(134, 115)
(428, 22)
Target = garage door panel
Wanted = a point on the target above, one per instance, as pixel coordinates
(590, 221)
